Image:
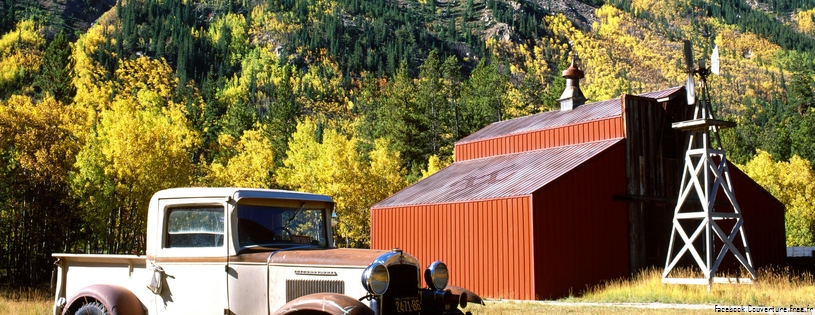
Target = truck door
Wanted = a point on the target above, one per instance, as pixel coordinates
(193, 256)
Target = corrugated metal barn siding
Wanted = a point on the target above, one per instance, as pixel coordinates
(487, 244)
(602, 129)
(581, 235)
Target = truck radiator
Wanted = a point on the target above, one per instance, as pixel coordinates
(298, 288)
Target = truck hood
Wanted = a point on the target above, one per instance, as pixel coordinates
(315, 257)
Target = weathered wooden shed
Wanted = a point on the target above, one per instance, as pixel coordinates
(545, 205)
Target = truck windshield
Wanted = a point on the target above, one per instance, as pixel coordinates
(264, 226)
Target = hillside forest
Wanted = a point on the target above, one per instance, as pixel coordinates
(350, 98)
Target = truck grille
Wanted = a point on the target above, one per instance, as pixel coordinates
(298, 288)
(402, 285)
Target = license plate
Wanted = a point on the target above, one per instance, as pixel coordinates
(408, 304)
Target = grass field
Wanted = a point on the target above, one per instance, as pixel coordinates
(774, 288)
(529, 308)
(40, 306)
(25, 302)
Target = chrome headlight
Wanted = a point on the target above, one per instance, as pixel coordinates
(376, 278)
(436, 275)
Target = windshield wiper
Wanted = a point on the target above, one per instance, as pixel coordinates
(286, 226)
(278, 247)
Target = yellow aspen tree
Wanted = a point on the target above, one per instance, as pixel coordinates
(299, 168)
(42, 135)
(20, 56)
(252, 165)
(625, 55)
(514, 103)
(805, 23)
(93, 88)
(385, 174)
(37, 153)
(271, 29)
(792, 183)
(139, 148)
(334, 167)
(231, 33)
(141, 143)
(434, 164)
(143, 73)
(320, 89)
(325, 168)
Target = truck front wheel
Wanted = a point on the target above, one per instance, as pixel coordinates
(104, 299)
(92, 308)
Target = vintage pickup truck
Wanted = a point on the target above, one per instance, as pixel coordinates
(250, 251)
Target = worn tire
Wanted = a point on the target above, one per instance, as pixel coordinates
(92, 308)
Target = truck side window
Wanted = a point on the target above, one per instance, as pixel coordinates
(195, 227)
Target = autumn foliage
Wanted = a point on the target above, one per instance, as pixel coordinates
(353, 99)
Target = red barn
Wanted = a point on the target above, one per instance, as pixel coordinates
(546, 205)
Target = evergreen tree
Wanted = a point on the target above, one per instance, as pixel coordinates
(283, 113)
(800, 94)
(802, 137)
(481, 97)
(451, 74)
(396, 117)
(433, 116)
(55, 74)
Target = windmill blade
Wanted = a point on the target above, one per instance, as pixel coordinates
(689, 89)
(714, 61)
(688, 50)
(689, 84)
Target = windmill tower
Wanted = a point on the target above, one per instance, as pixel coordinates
(704, 174)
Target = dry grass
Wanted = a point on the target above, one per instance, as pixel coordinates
(773, 288)
(530, 308)
(25, 301)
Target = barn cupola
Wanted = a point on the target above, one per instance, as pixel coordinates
(572, 96)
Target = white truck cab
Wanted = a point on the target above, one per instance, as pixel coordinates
(249, 251)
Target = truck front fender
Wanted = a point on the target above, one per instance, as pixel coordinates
(471, 296)
(327, 303)
(117, 300)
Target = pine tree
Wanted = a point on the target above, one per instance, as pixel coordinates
(451, 74)
(432, 116)
(481, 97)
(800, 93)
(55, 75)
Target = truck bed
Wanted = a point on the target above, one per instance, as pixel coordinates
(129, 271)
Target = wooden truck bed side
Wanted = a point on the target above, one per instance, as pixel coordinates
(76, 271)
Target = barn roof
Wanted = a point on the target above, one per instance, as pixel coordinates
(662, 94)
(558, 118)
(546, 120)
(520, 173)
(497, 176)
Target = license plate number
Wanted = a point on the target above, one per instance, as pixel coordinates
(408, 305)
